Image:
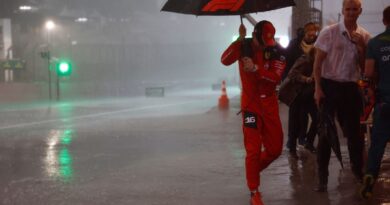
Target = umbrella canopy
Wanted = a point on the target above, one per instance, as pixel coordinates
(327, 128)
(224, 7)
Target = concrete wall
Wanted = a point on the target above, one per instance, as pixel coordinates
(21, 92)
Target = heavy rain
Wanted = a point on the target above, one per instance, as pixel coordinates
(118, 102)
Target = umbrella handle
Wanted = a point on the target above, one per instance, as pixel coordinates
(241, 19)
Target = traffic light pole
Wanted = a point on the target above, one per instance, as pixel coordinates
(63, 68)
(58, 88)
(49, 72)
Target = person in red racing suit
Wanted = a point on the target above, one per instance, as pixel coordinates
(260, 71)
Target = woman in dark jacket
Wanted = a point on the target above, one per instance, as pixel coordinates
(298, 88)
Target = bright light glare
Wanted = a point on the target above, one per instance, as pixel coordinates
(64, 67)
(284, 40)
(25, 8)
(82, 20)
(236, 36)
(50, 25)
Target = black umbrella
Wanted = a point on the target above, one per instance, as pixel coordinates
(224, 7)
(327, 128)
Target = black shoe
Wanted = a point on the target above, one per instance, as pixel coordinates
(293, 153)
(321, 188)
(358, 176)
(311, 148)
(290, 145)
(368, 183)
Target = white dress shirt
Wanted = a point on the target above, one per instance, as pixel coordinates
(342, 61)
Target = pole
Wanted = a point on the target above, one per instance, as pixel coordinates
(250, 19)
(49, 26)
(58, 88)
(48, 62)
(49, 71)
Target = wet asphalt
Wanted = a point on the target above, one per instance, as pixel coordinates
(172, 150)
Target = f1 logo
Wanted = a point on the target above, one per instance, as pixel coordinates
(215, 5)
(250, 120)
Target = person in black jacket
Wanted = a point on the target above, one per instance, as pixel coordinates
(298, 120)
(305, 39)
(298, 88)
(293, 46)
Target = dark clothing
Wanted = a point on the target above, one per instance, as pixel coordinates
(293, 52)
(309, 108)
(296, 80)
(302, 103)
(344, 99)
(379, 138)
(298, 120)
(379, 50)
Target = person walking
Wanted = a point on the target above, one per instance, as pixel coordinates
(298, 88)
(298, 112)
(378, 69)
(340, 53)
(260, 71)
(300, 45)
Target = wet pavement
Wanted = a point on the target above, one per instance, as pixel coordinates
(174, 150)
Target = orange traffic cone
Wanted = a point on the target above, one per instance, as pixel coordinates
(223, 103)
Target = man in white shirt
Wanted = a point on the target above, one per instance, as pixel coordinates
(338, 62)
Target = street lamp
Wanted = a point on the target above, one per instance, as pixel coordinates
(49, 26)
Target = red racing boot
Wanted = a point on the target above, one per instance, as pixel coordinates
(256, 198)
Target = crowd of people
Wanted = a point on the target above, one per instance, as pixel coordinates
(318, 75)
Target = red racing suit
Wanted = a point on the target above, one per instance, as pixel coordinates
(262, 129)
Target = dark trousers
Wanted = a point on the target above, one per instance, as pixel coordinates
(308, 108)
(342, 100)
(379, 138)
(299, 110)
(294, 124)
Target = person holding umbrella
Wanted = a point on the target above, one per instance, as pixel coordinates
(378, 68)
(340, 53)
(261, 64)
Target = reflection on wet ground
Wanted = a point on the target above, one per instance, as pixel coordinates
(58, 160)
(342, 186)
(189, 159)
(291, 180)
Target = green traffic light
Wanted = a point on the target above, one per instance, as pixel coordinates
(64, 68)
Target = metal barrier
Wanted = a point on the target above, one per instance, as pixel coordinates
(155, 92)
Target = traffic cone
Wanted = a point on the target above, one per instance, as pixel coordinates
(223, 103)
